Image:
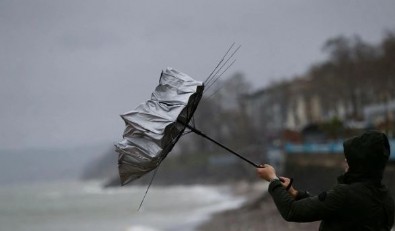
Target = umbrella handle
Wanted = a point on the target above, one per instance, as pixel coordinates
(219, 144)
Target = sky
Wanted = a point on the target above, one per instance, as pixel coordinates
(68, 69)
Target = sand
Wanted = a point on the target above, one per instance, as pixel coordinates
(258, 213)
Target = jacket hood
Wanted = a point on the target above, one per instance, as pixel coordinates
(367, 156)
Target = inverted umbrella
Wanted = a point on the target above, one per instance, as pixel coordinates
(153, 128)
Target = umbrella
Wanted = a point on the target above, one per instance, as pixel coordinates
(154, 127)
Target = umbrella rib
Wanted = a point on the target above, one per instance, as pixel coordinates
(219, 63)
(149, 185)
(216, 91)
(152, 178)
(209, 83)
(190, 115)
(220, 87)
(196, 99)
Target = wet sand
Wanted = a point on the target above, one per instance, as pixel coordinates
(258, 213)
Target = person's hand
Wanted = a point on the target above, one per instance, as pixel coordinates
(267, 172)
(285, 182)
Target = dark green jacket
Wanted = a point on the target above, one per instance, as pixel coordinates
(356, 206)
(358, 202)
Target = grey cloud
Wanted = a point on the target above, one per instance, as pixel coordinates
(69, 68)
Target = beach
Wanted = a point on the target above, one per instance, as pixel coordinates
(257, 213)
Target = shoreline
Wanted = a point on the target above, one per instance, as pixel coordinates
(258, 212)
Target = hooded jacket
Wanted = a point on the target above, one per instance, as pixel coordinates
(358, 202)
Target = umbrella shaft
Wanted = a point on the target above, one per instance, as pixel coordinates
(219, 144)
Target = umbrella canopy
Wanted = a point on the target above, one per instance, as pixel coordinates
(152, 128)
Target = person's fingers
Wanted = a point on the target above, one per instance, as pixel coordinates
(289, 184)
(283, 179)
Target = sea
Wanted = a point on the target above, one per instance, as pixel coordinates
(87, 206)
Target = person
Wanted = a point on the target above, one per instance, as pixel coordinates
(358, 202)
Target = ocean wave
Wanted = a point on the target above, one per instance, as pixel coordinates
(174, 208)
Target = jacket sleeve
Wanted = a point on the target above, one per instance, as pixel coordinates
(314, 208)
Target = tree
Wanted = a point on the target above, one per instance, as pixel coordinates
(352, 66)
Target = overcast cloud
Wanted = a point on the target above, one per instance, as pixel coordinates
(69, 68)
